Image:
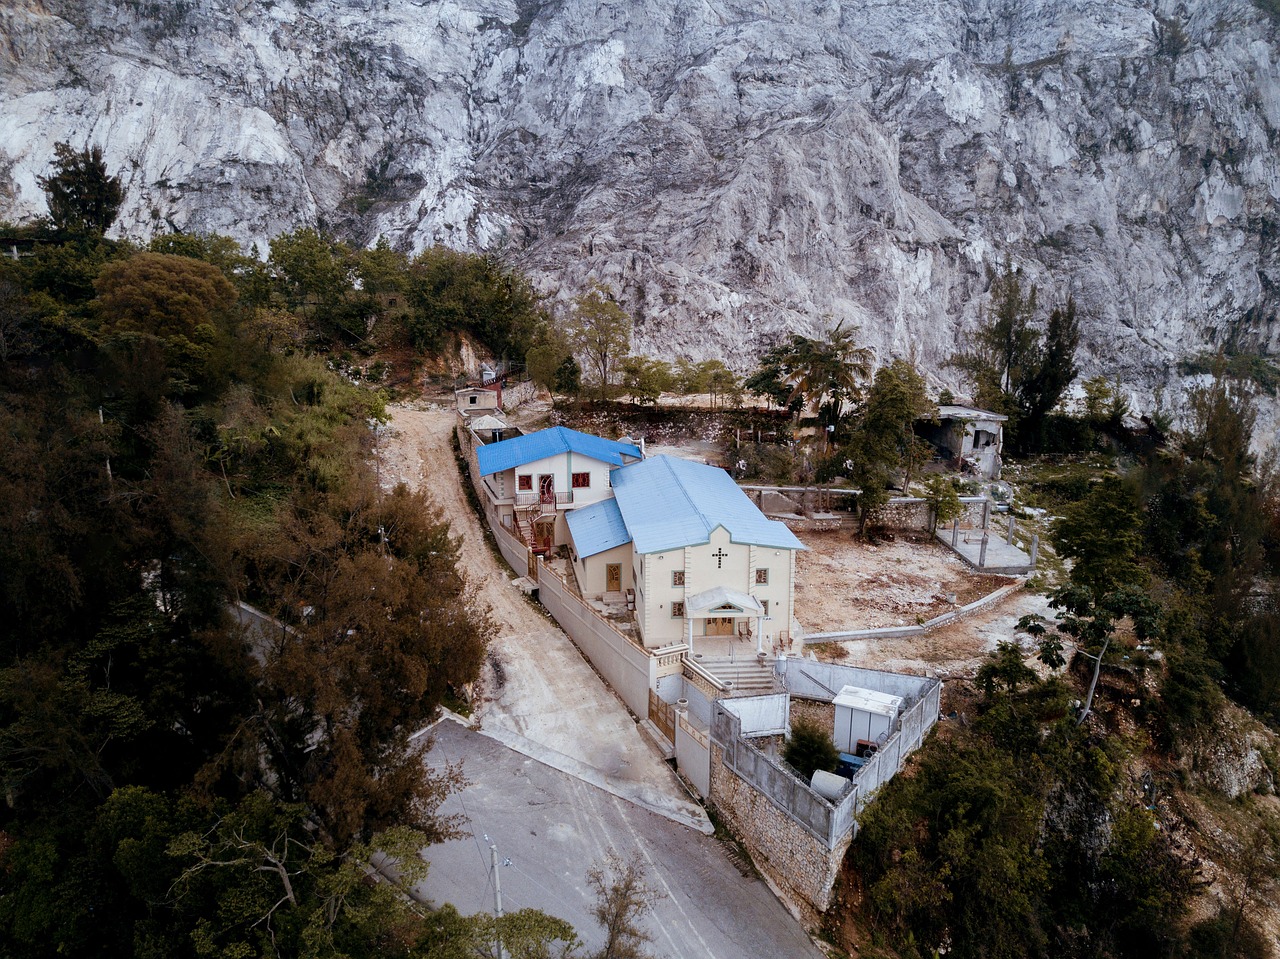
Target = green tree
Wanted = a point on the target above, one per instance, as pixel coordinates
(1018, 368)
(895, 402)
(826, 374)
(1005, 668)
(770, 379)
(316, 277)
(82, 197)
(600, 330)
(810, 748)
(568, 378)
(943, 501)
(1102, 535)
(645, 379)
(163, 295)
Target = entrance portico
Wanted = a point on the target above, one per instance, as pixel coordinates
(720, 609)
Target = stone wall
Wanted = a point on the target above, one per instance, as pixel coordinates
(798, 865)
(911, 512)
(517, 394)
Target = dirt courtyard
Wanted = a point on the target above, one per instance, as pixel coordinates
(843, 583)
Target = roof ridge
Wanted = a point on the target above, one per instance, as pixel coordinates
(668, 461)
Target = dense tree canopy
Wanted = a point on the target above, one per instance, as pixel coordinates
(82, 197)
(176, 783)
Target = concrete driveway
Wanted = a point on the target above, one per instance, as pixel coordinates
(538, 694)
(554, 827)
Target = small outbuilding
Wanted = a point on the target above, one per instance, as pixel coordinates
(864, 719)
(967, 434)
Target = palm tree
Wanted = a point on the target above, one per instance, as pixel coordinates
(830, 372)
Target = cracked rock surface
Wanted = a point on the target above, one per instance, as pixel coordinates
(735, 170)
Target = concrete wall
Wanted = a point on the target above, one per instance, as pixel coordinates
(625, 666)
(809, 679)
(513, 551)
(796, 836)
(693, 754)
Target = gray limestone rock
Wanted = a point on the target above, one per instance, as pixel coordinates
(734, 169)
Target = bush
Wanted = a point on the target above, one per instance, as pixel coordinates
(810, 748)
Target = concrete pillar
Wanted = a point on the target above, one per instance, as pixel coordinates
(955, 532)
(1035, 549)
(759, 635)
(689, 620)
(982, 552)
(1012, 523)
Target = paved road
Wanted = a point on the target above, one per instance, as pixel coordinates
(535, 684)
(554, 827)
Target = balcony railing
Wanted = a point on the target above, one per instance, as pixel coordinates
(529, 497)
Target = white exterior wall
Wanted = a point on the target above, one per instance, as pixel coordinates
(591, 571)
(656, 594)
(562, 466)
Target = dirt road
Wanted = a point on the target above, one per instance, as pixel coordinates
(535, 682)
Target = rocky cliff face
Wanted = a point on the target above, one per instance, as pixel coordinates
(734, 169)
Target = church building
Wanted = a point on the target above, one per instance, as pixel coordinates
(698, 555)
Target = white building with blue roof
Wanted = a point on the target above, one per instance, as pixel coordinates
(529, 482)
(701, 559)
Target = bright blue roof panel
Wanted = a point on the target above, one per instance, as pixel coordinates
(597, 527)
(671, 503)
(504, 455)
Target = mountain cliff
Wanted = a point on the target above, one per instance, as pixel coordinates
(734, 170)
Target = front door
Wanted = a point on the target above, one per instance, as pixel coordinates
(546, 489)
(613, 577)
(720, 626)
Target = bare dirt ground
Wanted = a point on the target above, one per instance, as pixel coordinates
(535, 682)
(845, 584)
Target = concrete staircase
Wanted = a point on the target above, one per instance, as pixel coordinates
(748, 677)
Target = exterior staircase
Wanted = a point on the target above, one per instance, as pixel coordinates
(748, 677)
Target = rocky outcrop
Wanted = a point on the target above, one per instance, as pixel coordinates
(734, 169)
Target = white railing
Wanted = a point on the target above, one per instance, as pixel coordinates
(528, 498)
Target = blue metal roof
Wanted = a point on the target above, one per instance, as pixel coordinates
(671, 503)
(496, 457)
(597, 527)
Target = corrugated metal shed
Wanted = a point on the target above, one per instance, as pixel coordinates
(672, 503)
(497, 457)
(597, 527)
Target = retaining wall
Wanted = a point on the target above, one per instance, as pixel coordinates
(630, 670)
(794, 860)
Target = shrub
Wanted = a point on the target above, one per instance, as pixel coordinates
(810, 748)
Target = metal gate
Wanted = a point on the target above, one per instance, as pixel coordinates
(662, 715)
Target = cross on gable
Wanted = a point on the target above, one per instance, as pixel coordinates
(720, 556)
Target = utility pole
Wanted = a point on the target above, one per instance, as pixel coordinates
(497, 896)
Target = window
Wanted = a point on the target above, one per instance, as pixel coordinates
(677, 610)
(473, 400)
(762, 577)
(581, 480)
(677, 577)
(525, 481)
(765, 604)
